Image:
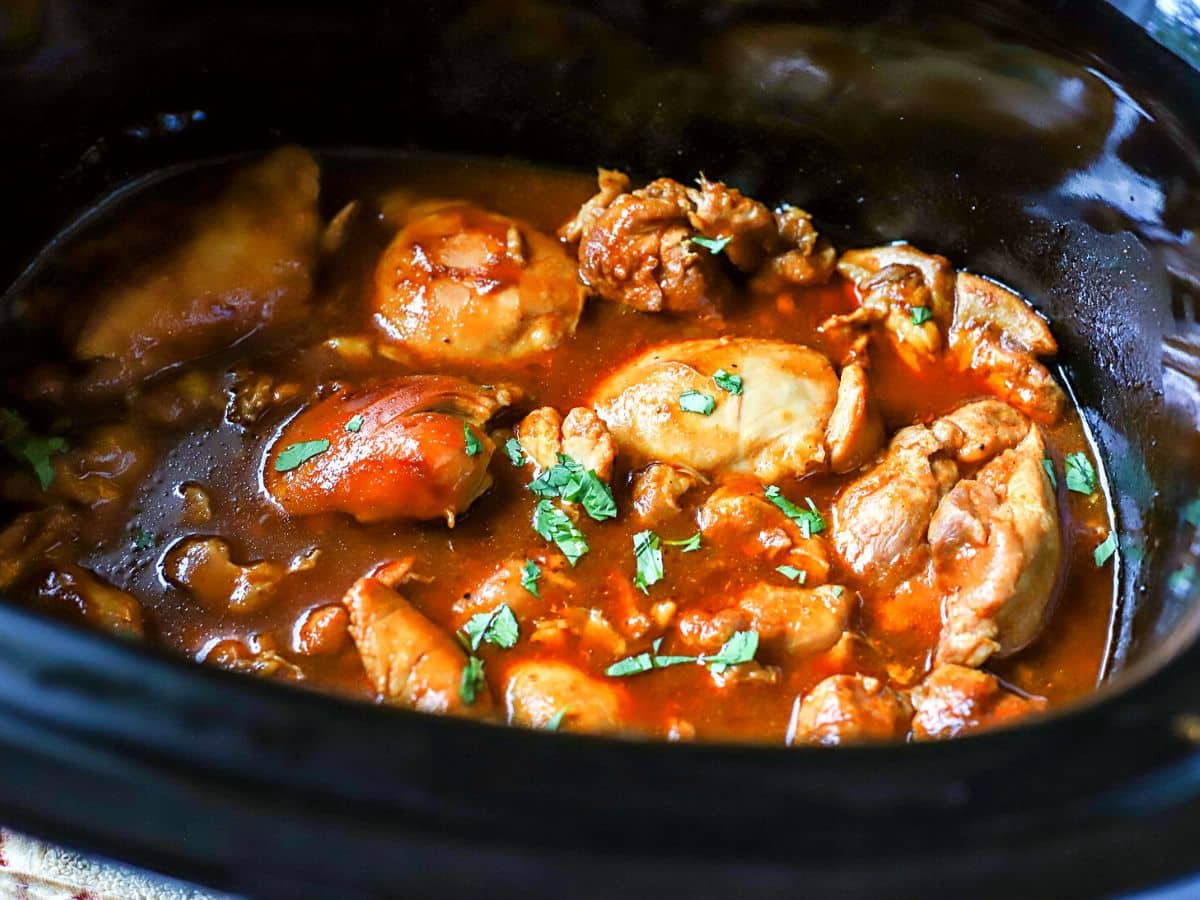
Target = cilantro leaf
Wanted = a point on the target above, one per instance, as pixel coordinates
(472, 680)
(697, 402)
(738, 649)
(1105, 549)
(1048, 465)
(30, 448)
(1081, 477)
(575, 484)
(1183, 579)
(516, 455)
(1191, 512)
(142, 539)
(730, 383)
(354, 426)
(294, 454)
(919, 315)
(472, 442)
(530, 576)
(810, 520)
(687, 545)
(553, 723)
(712, 245)
(554, 525)
(648, 554)
(793, 574)
(498, 627)
(630, 665)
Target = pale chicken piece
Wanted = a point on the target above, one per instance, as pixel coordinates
(658, 488)
(855, 429)
(539, 692)
(242, 262)
(851, 709)
(461, 284)
(204, 567)
(954, 700)
(504, 585)
(881, 520)
(775, 428)
(544, 434)
(995, 333)
(409, 660)
(741, 518)
(997, 549)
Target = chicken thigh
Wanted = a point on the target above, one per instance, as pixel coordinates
(955, 699)
(851, 709)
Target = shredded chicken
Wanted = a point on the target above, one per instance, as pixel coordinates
(658, 488)
(544, 434)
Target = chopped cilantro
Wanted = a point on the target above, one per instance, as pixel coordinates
(730, 383)
(472, 442)
(30, 448)
(472, 680)
(791, 572)
(516, 455)
(1105, 549)
(1081, 477)
(738, 649)
(354, 426)
(838, 590)
(1048, 465)
(554, 525)
(919, 315)
(712, 245)
(648, 554)
(630, 665)
(142, 539)
(497, 627)
(810, 520)
(1183, 579)
(697, 402)
(294, 454)
(530, 576)
(553, 723)
(687, 545)
(1191, 512)
(575, 484)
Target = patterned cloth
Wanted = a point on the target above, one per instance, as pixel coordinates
(33, 870)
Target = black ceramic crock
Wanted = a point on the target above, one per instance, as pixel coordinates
(1052, 145)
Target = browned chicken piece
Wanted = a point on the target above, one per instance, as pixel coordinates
(107, 467)
(937, 276)
(538, 691)
(851, 709)
(243, 262)
(889, 298)
(741, 518)
(410, 661)
(636, 247)
(792, 620)
(658, 488)
(773, 429)
(183, 400)
(204, 567)
(996, 551)
(997, 334)
(504, 586)
(323, 631)
(544, 434)
(955, 699)
(99, 603)
(262, 659)
(855, 429)
(410, 448)
(34, 538)
(253, 393)
(461, 284)
(881, 520)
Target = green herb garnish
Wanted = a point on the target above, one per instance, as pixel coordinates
(472, 680)
(697, 402)
(555, 720)
(919, 315)
(687, 545)
(472, 442)
(575, 484)
(142, 539)
(516, 455)
(730, 383)
(498, 627)
(793, 574)
(1106, 549)
(554, 525)
(30, 448)
(712, 245)
(354, 426)
(530, 576)
(1191, 512)
(738, 649)
(295, 454)
(1048, 465)
(648, 554)
(1081, 477)
(809, 520)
